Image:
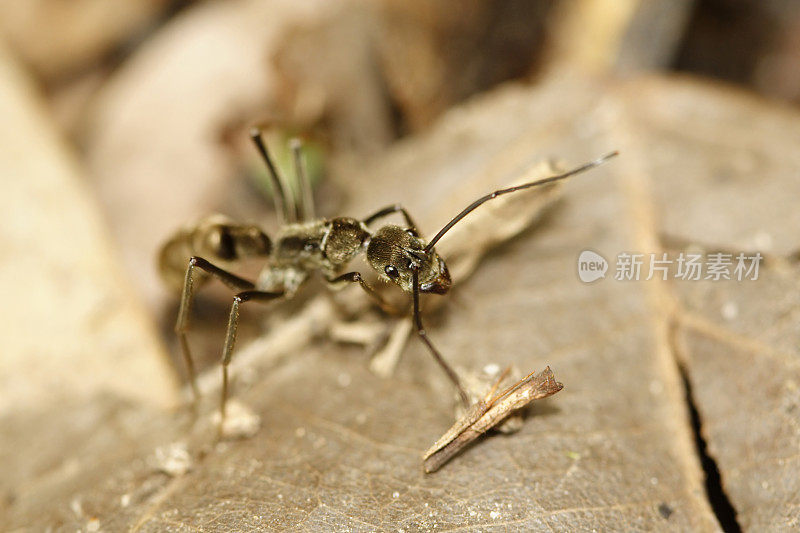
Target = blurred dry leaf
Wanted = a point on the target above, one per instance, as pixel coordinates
(434, 56)
(757, 45)
(328, 75)
(599, 36)
(340, 449)
(70, 323)
(58, 38)
(71, 328)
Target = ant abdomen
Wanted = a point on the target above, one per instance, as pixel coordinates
(215, 238)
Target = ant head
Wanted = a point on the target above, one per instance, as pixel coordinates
(396, 253)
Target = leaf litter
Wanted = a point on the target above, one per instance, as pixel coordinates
(615, 449)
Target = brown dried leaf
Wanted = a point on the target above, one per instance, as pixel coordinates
(595, 36)
(725, 177)
(487, 413)
(434, 56)
(70, 325)
(72, 330)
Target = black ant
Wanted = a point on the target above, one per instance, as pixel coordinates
(305, 244)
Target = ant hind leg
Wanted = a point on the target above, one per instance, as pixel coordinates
(230, 339)
(187, 297)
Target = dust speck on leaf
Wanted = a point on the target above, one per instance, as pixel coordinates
(173, 459)
(730, 311)
(343, 380)
(76, 506)
(240, 421)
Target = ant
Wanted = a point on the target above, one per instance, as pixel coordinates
(305, 244)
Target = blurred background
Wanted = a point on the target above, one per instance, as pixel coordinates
(122, 120)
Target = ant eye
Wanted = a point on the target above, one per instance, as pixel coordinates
(412, 232)
(391, 271)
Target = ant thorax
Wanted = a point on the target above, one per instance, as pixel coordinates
(300, 245)
(320, 245)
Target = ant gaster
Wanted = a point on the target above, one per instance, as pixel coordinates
(305, 244)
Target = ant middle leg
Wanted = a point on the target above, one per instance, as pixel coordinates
(187, 297)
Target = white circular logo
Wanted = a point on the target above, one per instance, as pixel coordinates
(591, 266)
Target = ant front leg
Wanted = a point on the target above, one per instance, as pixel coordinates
(356, 277)
(230, 339)
(436, 355)
(187, 297)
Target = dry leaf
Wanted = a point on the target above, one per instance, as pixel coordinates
(434, 56)
(487, 413)
(71, 326)
(72, 330)
(724, 176)
(595, 36)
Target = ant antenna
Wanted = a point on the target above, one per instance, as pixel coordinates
(278, 187)
(306, 200)
(474, 205)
